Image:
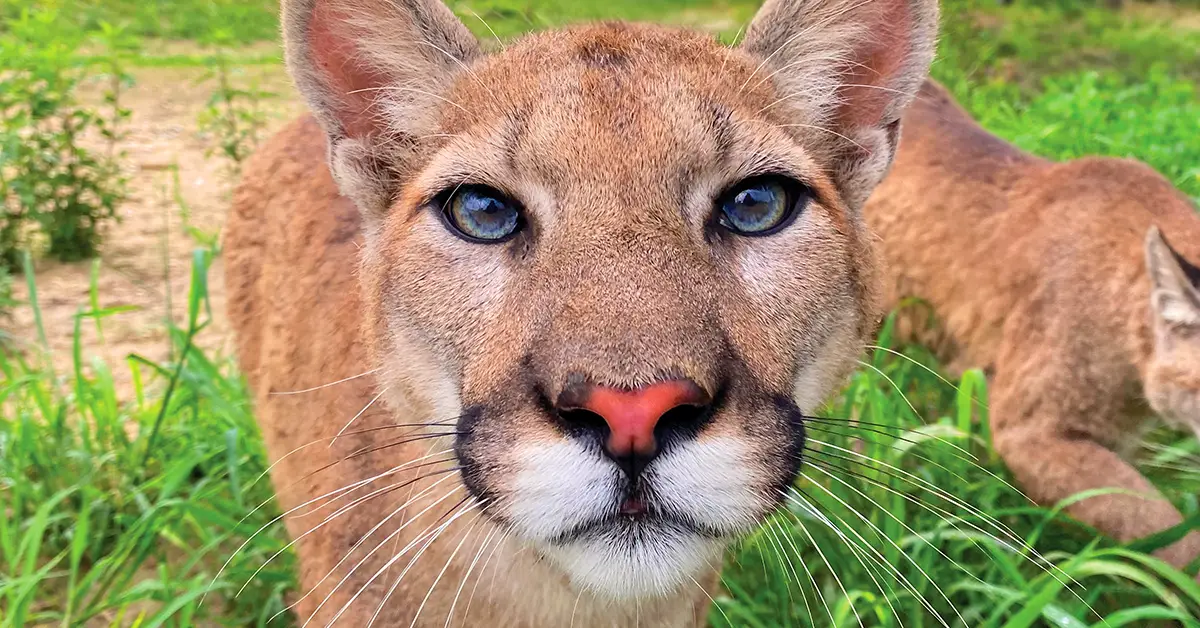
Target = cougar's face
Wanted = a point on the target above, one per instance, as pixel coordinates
(625, 280)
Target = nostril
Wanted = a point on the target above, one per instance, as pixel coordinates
(682, 421)
(582, 422)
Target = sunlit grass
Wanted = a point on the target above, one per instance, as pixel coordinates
(903, 516)
(116, 512)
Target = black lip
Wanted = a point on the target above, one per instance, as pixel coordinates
(472, 473)
(654, 521)
(473, 476)
(795, 422)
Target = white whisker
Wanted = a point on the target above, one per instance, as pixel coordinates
(364, 559)
(500, 541)
(858, 553)
(305, 504)
(832, 571)
(323, 386)
(881, 535)
(436, 580)
(355, 417)
(467, 576)
(366, 536)
(431, 538)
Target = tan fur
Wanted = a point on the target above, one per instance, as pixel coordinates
(616, 139)
(1037, 272)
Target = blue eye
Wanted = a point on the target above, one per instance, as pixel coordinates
(761, 206)
(481, 214)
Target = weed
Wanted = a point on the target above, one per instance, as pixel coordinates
(233, 118)
(118, 45)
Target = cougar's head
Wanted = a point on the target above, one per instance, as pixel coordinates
(625, 259)
(1173, 378)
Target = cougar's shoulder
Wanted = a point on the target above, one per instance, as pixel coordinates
(291, 243)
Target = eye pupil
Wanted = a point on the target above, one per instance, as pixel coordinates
(761, 206)
(482, 215)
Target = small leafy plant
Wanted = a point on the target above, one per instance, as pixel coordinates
(233, 118)
(48, 178)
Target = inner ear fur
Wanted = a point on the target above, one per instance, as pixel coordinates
(1175, 282)
(372, 72)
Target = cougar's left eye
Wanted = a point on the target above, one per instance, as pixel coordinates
(761, 206)
(481, 214)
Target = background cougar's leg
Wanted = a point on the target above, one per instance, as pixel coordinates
(1055, 422)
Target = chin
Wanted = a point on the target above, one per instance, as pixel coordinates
(626, 559)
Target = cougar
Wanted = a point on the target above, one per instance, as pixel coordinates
(532, 332)
(1070, 284)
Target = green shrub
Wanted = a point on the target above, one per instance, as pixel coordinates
(6, 298)
(48, 177)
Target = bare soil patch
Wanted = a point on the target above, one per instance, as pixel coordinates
(146, 256)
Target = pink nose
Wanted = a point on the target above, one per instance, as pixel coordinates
(632, 415)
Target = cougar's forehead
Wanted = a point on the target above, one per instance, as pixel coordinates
(583, 110)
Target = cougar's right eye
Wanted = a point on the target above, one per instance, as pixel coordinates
(481, 214)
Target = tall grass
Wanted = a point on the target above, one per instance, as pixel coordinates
(115, 513)
(903, 516)
(122, 513)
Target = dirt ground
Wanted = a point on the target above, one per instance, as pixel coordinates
(146, 256)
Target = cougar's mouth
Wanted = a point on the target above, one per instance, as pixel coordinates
(638, 514)
(623, 529)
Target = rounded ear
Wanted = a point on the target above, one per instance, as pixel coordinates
(371, 71)
(1175, 283)
(848, 68)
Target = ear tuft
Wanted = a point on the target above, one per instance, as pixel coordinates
(850, 68)
(1175, 283)
(372, 72)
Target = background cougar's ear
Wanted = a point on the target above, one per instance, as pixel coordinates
(1175, 283)
(849, 68)
(371, 71)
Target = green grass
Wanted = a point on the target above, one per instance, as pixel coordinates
(110, 511)
(121, 514)
(240, 20)
(916, 519)
(1092, 113)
